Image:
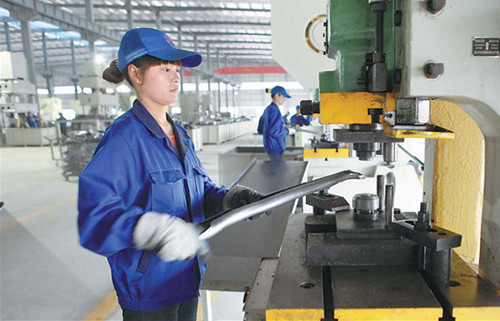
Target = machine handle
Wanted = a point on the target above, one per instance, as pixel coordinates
(214, 225)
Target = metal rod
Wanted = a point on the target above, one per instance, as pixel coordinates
(307, 131)
(379, 31)
(415, 158)
(389, 205)
(381, 192)
(229, 218)
(390, 152)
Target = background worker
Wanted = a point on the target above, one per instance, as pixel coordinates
(298, 120)
(62, 124)
(272, 126)
(31, 120)
(145, 189)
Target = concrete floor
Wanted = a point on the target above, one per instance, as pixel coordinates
(44, 273)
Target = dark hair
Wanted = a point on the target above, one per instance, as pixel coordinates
(114, 75)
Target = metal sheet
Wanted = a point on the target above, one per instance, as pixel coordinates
(380, 287)
(255, 304)
(286, 293)
(225, 273)
(238, 250)
(233, 162)
(471, 297)
(261, 237)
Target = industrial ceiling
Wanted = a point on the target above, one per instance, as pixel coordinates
(234, 33)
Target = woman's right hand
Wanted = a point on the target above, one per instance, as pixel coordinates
(174, 238)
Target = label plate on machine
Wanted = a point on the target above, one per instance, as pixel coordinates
(486, 47)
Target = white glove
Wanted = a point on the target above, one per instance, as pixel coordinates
(291, 131)
(175, 239)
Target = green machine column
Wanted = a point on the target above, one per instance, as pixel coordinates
(350, 36)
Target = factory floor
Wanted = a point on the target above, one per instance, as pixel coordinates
(44, 273)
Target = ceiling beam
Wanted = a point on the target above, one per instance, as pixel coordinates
(188, 22)
(166, 8)
(61, 18)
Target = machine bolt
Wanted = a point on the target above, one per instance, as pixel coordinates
(375, 113)
(433, 70)
(423, 219)
(434, 6)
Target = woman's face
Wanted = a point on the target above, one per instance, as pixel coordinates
(281, 99)
(160, 83)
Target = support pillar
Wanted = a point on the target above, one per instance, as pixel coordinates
(7, 35)
(130, 20)
(74, 76)
(91, 38)
(196, 77)
(158, 19)
(47, 73)
(218, 82)
(24, 17)
(89, 10)
(234, 97)
(208, 68)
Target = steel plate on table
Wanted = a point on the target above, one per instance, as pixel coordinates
(239, 249)
(398, 292)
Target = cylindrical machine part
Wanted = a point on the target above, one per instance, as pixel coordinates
(390, 151)
(389, 205)
(365, 207)
(441, 265)
(365, 203)
(391, 180)
(381, 192)
(366, 151)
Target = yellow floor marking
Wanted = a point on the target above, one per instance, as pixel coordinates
(104, 308)
(43, 210)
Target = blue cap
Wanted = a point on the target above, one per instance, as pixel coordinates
(280, 90)
(140, 42)
(297, 107)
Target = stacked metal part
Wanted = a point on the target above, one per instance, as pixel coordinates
(79, 151)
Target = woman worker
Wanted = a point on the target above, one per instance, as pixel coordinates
(145, 189)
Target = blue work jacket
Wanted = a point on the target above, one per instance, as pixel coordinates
(136, 169)
(300, 120)
(272, 127)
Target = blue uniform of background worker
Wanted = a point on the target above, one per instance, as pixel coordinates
(272, 126)
(32, 120)
(145, 189)
(298, 119)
